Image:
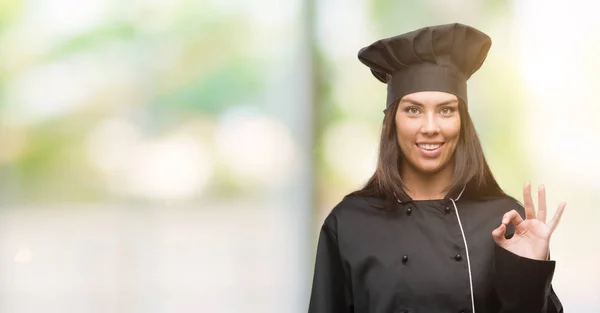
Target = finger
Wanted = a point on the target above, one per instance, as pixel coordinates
(556, 219)
(512, 216)
(529, 209)
(498, 235)
(541, 213)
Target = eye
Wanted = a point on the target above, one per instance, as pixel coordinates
(446, 111)
(412, 111)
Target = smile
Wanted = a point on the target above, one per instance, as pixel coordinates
(429, 147)
(430, 150)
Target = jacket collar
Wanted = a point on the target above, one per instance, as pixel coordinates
(453, 195)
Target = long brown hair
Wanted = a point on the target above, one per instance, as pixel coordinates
(471, 169)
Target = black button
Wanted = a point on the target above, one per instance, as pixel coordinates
(458, 257)
(404, 258)
(447, 209)
(408, 211)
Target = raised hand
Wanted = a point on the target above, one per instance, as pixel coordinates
(532, 235)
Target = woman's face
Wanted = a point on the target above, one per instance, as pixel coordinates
(428, 129)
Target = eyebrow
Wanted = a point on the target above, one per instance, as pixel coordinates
(417, 103)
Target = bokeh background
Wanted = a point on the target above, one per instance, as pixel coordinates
(180, 155)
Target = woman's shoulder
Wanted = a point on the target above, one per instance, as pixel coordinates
(503, 203)
(354, 207)
(359, 203)
(498, 200)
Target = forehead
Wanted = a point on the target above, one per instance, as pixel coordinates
(430, 97)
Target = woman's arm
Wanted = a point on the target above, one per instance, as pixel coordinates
(524, 285)
(523, 269)
(330, 291)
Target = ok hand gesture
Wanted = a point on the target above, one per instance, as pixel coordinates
(532, 234)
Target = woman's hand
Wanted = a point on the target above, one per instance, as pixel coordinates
(532, 235)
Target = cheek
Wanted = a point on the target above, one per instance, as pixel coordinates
(453, 136)
(452, 130)
(405, 134)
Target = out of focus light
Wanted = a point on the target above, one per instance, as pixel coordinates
(44, 24)
(13, 142)
(49, 90)
(111, 144)
(351, 149)
(24, 255)
(82, 79)
(546, 65)
(352, 20)
(51, 18)
(258, 149)
(174, 167)
(559, 72)
(156, 15)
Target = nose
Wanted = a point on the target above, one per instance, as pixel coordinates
(430, 125)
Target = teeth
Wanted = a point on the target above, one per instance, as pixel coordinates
(429, 147)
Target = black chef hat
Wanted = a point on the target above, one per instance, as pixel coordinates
(435, 58)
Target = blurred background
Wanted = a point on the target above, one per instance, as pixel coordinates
(180, 156)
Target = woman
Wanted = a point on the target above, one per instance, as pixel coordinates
(432, 231)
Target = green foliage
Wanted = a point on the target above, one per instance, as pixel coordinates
(9, 10)
(54, 167)
(391, 17)
(235, 83)
(94, 39)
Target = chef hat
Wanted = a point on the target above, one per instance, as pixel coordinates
(435, 58)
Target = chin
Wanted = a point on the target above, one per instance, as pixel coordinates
(429, 169)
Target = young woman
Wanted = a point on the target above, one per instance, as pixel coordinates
(432, 231)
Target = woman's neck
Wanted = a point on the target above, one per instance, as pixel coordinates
(420, 186)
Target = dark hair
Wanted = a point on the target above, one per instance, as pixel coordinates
(471, 168)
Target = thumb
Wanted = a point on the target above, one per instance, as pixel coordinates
(498, 235)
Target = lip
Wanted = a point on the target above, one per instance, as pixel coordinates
(429, 143)
(430, 153)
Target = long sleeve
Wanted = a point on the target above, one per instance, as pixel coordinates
(524, 285)
(330, 292)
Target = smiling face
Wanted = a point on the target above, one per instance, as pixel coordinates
(428, 130)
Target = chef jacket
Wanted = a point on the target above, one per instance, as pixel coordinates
(425, 256)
